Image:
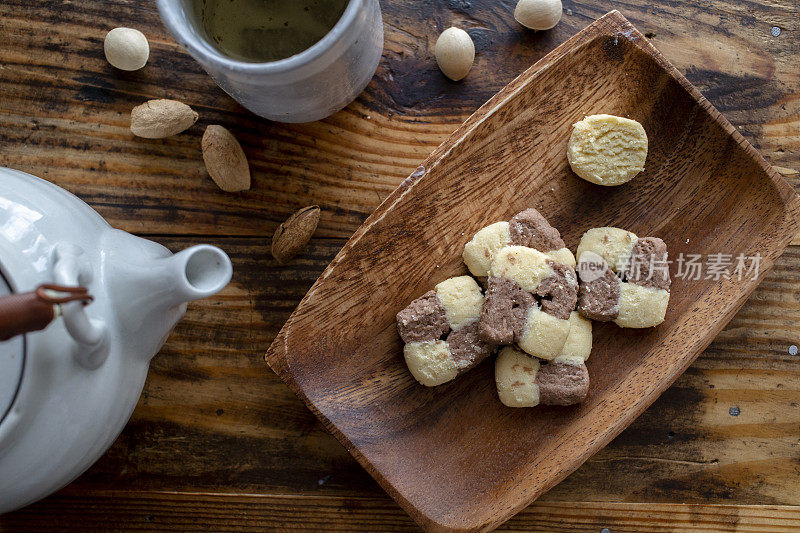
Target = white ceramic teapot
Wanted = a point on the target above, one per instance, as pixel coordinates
(67, 391)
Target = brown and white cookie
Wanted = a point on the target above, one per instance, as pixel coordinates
(623, 278)
(522, 381)
(529, 300)
(528, 228)
(440, 331)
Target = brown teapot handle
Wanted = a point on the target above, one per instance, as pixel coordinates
(33, 311)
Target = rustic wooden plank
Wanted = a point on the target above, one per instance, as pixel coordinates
(63, 116)
(214, 418)
(63, 111)
(149, 511)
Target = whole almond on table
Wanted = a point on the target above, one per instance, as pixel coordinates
(538, 14)
(454, 52)
(292, 236)
(157, 119)
(225, 160)
(126, 48)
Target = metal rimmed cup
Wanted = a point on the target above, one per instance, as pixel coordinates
(308, 86)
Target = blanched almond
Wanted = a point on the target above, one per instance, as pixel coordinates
(454, 53)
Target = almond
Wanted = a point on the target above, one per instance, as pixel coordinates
(292, 236)
(156, 119)
(225, 159)
(454, 53)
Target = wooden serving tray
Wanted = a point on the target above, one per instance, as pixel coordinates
(453, 456)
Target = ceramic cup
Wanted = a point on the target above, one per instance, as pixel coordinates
(305, 87)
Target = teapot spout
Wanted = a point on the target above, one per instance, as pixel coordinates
(150, 287)
(197, 272)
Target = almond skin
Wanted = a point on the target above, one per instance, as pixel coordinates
(292, 236)
(225, 159)
(157, 119)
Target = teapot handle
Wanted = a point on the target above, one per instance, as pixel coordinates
(71, 268)
(33, 311)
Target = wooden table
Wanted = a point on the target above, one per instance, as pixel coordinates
(217, 440)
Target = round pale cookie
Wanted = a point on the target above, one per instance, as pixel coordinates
(606, 149)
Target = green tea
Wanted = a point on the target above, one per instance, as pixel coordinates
(267, 30)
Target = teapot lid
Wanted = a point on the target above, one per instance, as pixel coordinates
(12, 359)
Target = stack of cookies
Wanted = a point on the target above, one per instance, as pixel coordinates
(535, 306)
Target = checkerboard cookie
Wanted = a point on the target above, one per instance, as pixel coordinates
(523, 381)
(529, 300)
(527, 228)
(440, 331)
(623, 278)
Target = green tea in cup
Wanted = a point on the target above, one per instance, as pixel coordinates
(267, 30)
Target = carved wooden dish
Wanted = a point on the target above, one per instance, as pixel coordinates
(453, 456)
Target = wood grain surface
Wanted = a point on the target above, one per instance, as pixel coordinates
(213, 420)
(125, 510)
